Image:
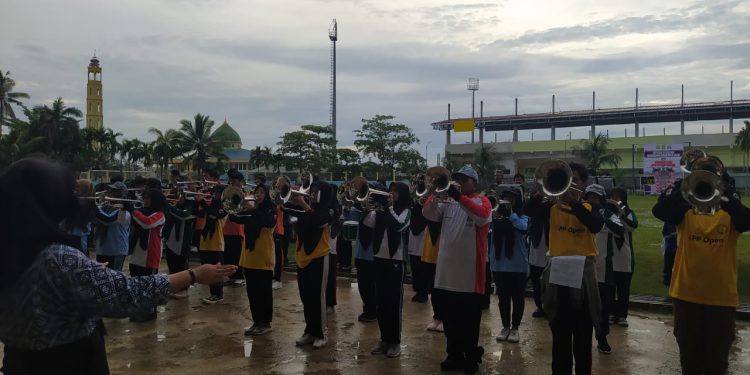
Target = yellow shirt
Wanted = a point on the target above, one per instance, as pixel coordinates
(430, 251)
(321, 249)
(705, 267)
(567, 235)
(262, 257)
(215, 242)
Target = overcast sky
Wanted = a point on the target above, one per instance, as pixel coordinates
(264, 64)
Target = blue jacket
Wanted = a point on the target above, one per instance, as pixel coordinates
(519, 262)
(116, 225)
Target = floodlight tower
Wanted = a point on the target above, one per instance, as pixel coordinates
(333, 36)
(473, 86)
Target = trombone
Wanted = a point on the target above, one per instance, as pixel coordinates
(362, 192)
(101, 199)
(556, 178)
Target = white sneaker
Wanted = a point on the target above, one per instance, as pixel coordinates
(276, 285)
(503, 336)
(212, 300)
(306, 339)
(319, 343)
(238, 283)
(623, 322)
(514, 336)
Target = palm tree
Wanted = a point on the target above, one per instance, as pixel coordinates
(197, 137)
(597, 152)
(8, 97)
(742, 140)
(18, 143)
(165, 147)
(60, 125)
(486, 160)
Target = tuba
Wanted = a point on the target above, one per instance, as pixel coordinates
(418, 188)
(233, 200)
(437, 181)
(555, 178)
(703, 187)
(689, 157)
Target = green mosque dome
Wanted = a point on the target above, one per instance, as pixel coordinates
(227, 136)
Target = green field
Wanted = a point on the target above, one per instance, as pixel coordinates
(648, 257)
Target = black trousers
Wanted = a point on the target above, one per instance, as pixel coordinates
(281, 247)
(487, 286)
(312, 281)
(535, 274)
(136, 271)
(704, 334)
(622, 294)
(213, 257)
(85, 356)
(510, 290)
(389, 287)
(429, 271)
(571, 336)
(344, 250)
(366, 285)
(419, 281)
(260, 294)
(176, 262)
(606, 292)
(462, 315)
(232, 252)
(331, 285)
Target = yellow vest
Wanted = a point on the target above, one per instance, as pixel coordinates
(262, 257)
(705, 267)
(215, 242)
(567, 235)
(430, 251)
(321, 249)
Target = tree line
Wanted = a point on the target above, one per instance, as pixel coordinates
(54, 131)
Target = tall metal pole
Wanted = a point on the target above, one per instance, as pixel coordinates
(333, 36)
(473, 86)
(731, 107)
(472, 115)
(481, 115)
(682, 105)
(448, 131)
(637, 130)
(552, 128)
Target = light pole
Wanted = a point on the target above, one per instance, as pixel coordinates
(473, 86)
(425, 151)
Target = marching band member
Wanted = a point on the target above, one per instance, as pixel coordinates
(460, 274)
(365, 264)
(80, 225)
(704, 280)
(113, 229)
(258, 257)
(335, 225)
(572, 313)
(538, 247)
(211, 248)
(623, 260)
(178, 232)
(417, 234)
(509, 262)
(389, 225)
(429, 259)
(209, 175)
(146, 254)
(313, 234)
(606, 241)
(234, 235)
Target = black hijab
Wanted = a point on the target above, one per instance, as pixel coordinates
(254, 223)
(214, 209)
(384, 220)
(37, 196)
(158, 204)
(310, 225)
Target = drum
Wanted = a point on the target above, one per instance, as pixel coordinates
(349, 230)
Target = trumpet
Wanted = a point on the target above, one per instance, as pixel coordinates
(233, 200)
(437, 181)
(556, 178)
(703, 187)
(615, 207)
(362, 192)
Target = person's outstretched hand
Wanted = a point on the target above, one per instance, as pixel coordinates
(213, 273)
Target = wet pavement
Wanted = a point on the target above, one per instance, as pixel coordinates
(192, 338)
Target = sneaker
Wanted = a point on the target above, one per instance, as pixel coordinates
(319, 343)
(306, 339)
(364, 317)
(238, 283)
(514, 336)
(503, 336)
(539, 313)
(604, 347)
(262, 330)
(251, 331)
(276, 285)
(623, 322)
(394, 350)
(380, 349)
(330, 309)
(212, 300)
(452, 364)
